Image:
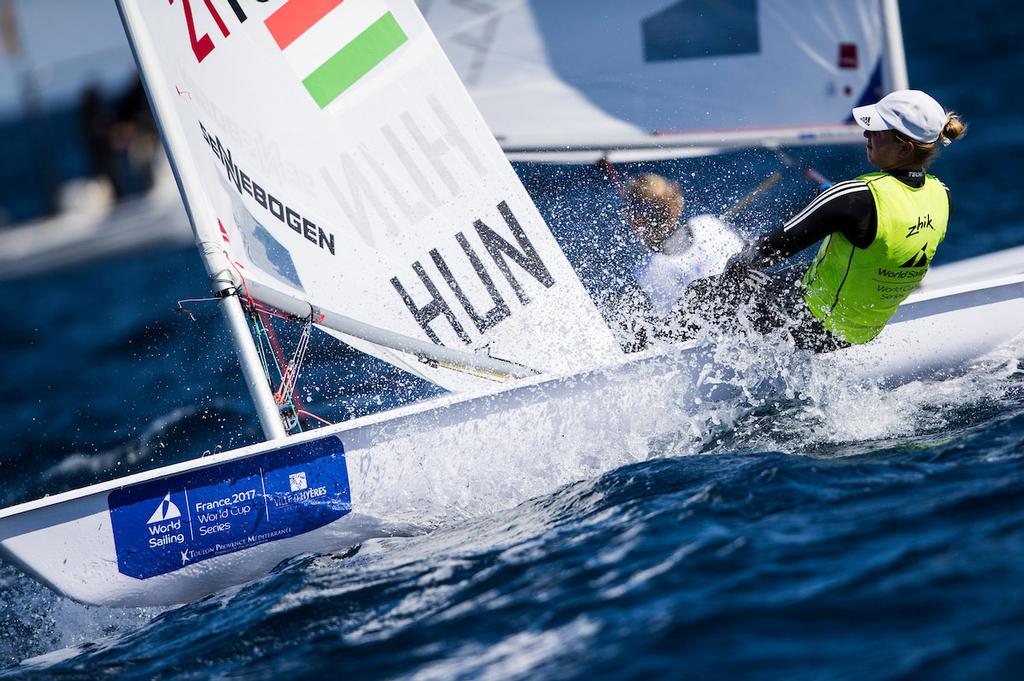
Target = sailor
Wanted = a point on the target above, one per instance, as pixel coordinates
(678, 252)
(879, 233)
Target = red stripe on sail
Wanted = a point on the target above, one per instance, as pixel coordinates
(295, 17)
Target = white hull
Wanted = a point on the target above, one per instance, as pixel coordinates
(452, 456)
(1004, 263)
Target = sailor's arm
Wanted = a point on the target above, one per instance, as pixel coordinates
(847, 207)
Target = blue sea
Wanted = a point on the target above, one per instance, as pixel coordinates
(846, 533)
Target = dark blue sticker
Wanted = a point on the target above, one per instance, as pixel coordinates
(163, 525)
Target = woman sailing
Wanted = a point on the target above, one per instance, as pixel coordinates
(879, 234)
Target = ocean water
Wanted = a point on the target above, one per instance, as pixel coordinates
(839, 532)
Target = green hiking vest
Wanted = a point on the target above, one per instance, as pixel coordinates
(855, 291)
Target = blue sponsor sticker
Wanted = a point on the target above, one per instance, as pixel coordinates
(164, 525)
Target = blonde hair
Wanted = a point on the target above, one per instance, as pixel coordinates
(925, 152)
(655, 205)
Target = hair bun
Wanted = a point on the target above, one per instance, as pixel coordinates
(954, 129)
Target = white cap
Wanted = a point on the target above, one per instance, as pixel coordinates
(912, 112)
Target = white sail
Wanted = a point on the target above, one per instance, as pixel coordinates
(577, 79)
(330, 151)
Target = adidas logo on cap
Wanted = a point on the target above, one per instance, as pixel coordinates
(910, 112)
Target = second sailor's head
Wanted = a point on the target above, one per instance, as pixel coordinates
(655, 206)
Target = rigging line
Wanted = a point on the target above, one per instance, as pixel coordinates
(181, 307)
(262, 332)
(261, 350)
(808, 172)
(245, 286)
(274, 313)
(311, 415)
(738, 207)
(620, 189)
(264, 308)
(315, 316)
(279, 357)
(263, 329)
(266, 329)
(294, 368)
(613, 176)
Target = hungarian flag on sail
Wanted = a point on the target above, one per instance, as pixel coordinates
(332, 44)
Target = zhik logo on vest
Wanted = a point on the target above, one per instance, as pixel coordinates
(922, 222)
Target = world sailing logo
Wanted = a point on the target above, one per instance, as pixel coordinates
(330, 46)
(167, 510)
(919, 259)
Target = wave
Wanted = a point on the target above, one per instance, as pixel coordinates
(732, 518)
(725, 563)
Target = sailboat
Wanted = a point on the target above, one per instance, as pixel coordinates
(336, 172)
(97, 230)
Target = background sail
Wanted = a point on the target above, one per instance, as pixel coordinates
(646, 77)
(331, 151)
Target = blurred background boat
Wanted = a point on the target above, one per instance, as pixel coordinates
(84, 176)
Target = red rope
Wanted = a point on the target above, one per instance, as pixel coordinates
(620, 189)
(303, 412)
(273, 311)
(265, 313)
(282, 361)
(245, 287)
(613, 176)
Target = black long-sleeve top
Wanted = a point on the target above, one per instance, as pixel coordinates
(847, 207)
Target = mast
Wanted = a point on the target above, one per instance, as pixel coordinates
(262, 395)
(213, 259)
(895, 59)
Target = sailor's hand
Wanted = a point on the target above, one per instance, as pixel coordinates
(741, 279)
